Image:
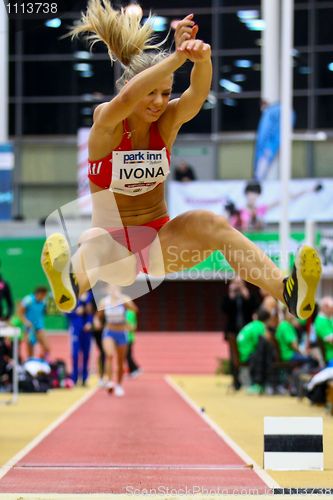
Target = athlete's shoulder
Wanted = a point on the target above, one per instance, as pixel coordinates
(27, 300)
(98, 110)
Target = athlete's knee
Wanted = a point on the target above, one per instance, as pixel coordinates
(94, 234)
(204, 224)
(105, 259)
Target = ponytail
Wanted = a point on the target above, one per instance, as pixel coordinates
(119, 30)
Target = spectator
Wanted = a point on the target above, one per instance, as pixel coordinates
(248, 337)
(264, 375)
(238, 306)
(324, 328)
(272, 306)
(5, 361)
(32, 312)
(81, 322)
(184, 172)
(286, 336)
(131, 318)
(5, 296)
(97, 333)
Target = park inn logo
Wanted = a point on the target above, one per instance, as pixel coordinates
(142, 157)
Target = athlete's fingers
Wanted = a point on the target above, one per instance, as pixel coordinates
(189, 45)
(185, 30)
(189, 17)
(192, 43)
(195, 30)
(184, 23)
(206, 47)
(197, 45)
(184, 37)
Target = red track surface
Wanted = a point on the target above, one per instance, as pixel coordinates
(152, 426)
(164, 353)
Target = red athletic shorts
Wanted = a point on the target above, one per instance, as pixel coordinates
(137, 239)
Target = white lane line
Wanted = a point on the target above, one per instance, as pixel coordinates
(132, 467)
(12, 461)
(268, 480)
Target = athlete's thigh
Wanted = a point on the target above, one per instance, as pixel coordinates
(109, 346)
(41, 337)
(121, 352)
(105, 253)
(181, 242)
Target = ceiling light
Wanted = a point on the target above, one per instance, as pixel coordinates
(230, 102)
(53, 23)
(230, 86)
(243, 63)
(238, 77)
(247, 15)
(82, 54)
(86, 111)
(210, 102)
(256, 25)
(304, 70)
(158, 23)
(87, 74)
(82, 67)
(134, 9)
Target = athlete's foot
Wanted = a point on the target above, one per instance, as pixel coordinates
(300, 286)
(110, 386)
(136, 373)
(119, 391)
(56, 263)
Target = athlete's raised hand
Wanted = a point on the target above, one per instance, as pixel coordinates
(186, 29)
(195, 50)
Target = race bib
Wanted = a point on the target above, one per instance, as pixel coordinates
(136, 172)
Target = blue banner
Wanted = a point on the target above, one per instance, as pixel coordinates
(6, 180)
(268, 141)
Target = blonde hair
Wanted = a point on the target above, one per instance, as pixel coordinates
(122, 33)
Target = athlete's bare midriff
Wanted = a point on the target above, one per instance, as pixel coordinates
(139, 210)
(116, 327)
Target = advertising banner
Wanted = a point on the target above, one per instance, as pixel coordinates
(309, 198)
(82, 172)
(6, 180)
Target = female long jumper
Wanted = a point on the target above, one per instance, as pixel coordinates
(130, 144)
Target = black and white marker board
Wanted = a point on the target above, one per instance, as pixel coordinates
(293, 443)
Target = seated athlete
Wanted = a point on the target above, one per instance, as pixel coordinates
(129, 157)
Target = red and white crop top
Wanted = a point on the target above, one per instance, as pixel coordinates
(132, 172)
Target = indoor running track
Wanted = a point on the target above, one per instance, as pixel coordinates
(153, 438)
(150, 439)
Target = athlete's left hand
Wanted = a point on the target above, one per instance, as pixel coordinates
(195, 50)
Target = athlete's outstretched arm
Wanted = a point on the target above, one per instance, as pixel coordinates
(113, 112)
(189, 104)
